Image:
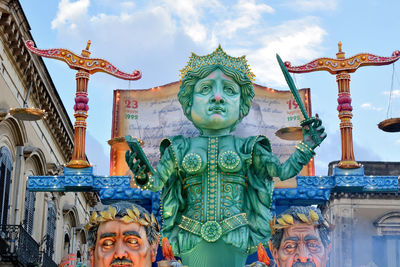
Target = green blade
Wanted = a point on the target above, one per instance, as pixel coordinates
(292, 86)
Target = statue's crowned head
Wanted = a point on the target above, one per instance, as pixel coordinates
(231, 69)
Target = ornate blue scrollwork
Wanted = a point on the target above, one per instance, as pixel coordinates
(317, 189)
(109, 188)
(76, 180)
(310, 189)
(315, 181)
(381, 183)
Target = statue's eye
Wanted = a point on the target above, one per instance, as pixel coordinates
(290, 247)
(229, 90)
(108, 243)
(313, 246)
(132, 241)
(205, 89)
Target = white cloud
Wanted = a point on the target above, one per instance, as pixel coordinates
(127, 5)
(205, 21)
(174, 26)
(196, 31)
(190, 14)
(294, 41)
(394, 94)
(369, 106)
(245, 15)
(313, 5)
(69, 12)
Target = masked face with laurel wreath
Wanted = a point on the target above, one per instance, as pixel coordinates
(300, 238)
(123, 236)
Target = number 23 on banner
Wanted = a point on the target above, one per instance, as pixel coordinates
(131, 109)
(131, 104)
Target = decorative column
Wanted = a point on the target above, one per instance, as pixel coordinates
(78, 174)
(342, 67)
(346, 127)
(81, 108)
(85, 67)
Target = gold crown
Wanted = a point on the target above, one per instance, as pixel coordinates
(218, 57)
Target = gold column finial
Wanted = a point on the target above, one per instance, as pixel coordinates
(340, 54)
(86, 52)
(88, 45)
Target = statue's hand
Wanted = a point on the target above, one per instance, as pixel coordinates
(137, 160)
(313, 132)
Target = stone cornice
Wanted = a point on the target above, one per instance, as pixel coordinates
(365, 195)
(15, 30)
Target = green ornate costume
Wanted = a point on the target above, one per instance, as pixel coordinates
(219, 188)
(216, 188)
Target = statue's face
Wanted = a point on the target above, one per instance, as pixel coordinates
(215, 105)
(301, 246)
(122, 244)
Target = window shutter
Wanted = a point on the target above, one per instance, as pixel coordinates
(5, 181)
(30, 198)
(51, 229)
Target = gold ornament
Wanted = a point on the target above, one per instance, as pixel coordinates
(133, 216)
(287, 220)
(313, 216)
(303, 218)
(282, 221)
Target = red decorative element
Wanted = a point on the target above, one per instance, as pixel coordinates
(167, 250)
(77, 62)
(342, 67)
(334, 66)
(344, 101)
(85, 67)
(81, 101)
(262, 255)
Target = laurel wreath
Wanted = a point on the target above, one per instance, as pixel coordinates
(287, 220)
(133, 216)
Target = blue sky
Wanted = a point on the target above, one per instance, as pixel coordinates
(157, 37)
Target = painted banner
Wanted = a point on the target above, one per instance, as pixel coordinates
(155, 113)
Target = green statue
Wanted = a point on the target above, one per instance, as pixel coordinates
(216, 187)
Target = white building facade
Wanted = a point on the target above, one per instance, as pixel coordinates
(36, 229)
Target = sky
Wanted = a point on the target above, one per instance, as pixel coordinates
(157, 38)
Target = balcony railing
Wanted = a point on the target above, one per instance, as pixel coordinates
(47, 261)
(16, 245)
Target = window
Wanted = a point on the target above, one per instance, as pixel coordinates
(66, 244)
(386, 246)
(386, 250)
(51, 229)
(5, 181)
(30, 198)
